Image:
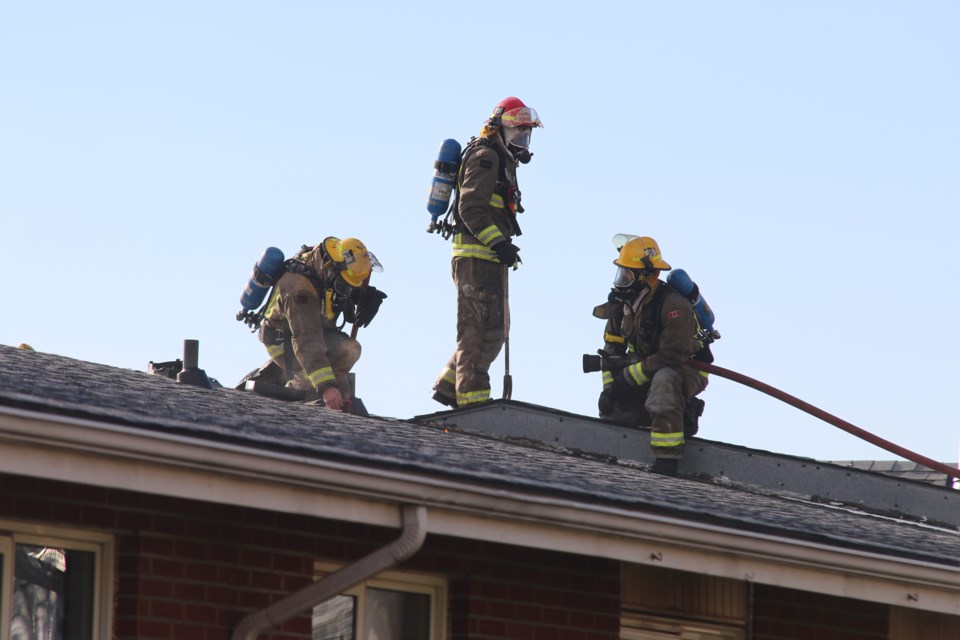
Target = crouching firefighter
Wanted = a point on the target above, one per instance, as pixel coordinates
(484, 221)
(651, 332)
(319, 291)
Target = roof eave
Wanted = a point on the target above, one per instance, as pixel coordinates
(107, 455)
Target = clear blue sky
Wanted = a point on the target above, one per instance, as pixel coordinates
(799, 159)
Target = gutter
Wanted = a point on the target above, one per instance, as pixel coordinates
(102, 454)
(410, 540)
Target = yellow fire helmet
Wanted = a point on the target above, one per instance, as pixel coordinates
(640, 253)
(352, 260)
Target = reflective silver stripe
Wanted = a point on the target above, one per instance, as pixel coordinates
(449, 375)
(674, 439)
(320, 376)
(496, 201)
(607, 378)
(275, 350)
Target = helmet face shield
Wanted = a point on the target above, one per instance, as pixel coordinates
(521, 117)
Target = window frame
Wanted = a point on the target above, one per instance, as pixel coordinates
(418, 583)
(637, 624)
(102, 546)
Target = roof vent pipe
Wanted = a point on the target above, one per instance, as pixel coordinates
(190, 373)
(409, 542)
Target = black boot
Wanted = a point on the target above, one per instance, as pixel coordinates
(444, 399)
(665, 466)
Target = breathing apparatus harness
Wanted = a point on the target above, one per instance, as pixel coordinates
(335, 301)
(452, 222)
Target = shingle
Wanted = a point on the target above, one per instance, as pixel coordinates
(55, 384)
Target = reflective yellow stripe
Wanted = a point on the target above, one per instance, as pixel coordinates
(320, 376)
(496, 201)
(609, 337)
(636, 372)
(488, 235)
(273, 304)
(463, 250)
(607, 378)
(703, 373)
(665, 440)
(275, 350)
(473, 397)
(449, 375)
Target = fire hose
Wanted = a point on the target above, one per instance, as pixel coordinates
(826, 417)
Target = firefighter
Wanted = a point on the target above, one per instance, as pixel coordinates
(302, 328)
(653, 329)
(485, 220)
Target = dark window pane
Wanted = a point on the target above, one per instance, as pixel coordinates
(396, 615)
(335, 619)
(52, 594)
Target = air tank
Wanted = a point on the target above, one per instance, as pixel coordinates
(266, 272)
(679, 280)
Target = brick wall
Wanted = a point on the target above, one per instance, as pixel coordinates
(189, 569)
(498, 591)
(786, 614)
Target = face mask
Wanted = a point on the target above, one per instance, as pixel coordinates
(517, 140)
(341, 287)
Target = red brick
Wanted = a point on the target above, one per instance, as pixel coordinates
(166, 609)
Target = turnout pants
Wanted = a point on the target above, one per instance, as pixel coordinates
(659, 405)
(342, 351)
(480, 336)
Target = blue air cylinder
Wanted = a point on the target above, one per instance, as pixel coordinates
(266, 272)
(444, 178)
(679, 280)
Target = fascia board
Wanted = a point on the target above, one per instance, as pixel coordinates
(107, 455)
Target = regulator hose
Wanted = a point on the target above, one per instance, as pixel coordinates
(826, 417)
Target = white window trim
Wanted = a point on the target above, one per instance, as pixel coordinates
(434, 586)
(102, 545)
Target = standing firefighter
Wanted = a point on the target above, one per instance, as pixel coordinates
(485, 218)
(301, 322)
(651, 332)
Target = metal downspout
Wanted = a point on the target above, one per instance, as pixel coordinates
(409, 542)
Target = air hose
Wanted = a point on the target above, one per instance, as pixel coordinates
(826, 417)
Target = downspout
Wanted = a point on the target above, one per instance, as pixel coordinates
(409, 542)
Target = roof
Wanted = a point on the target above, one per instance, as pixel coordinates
(901, 469)
(56, 385)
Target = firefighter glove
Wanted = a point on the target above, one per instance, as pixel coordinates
(507, 253)
(369, 304)
(606, 402)
(620, 387)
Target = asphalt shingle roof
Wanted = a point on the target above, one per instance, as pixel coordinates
(56, 384)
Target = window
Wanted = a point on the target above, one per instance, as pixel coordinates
(53, 584)
(392, 606)
(637, 626)
(665, 604)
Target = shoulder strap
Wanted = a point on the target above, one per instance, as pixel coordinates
(293, 265)
(452, 219)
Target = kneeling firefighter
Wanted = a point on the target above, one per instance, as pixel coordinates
(651, 332)
(301, 326)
